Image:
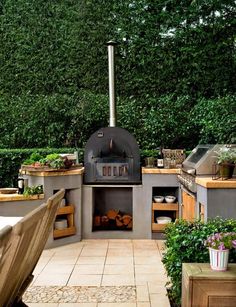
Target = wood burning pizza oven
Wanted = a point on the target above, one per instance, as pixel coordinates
(112, 153)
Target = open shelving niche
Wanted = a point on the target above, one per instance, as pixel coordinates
(164, 209)
(65, 212)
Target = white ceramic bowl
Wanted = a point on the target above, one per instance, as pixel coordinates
(163, 220)
(60, 224)
(158, 199)
(170, 199)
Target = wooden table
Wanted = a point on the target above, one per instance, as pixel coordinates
(203, 287)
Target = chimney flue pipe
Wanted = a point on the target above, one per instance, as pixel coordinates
(111, 69)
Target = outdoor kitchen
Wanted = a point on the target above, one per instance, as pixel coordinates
(113, 196)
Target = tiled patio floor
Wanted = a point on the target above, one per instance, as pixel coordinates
(100, 273)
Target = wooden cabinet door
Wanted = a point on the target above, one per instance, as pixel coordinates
(188, 206)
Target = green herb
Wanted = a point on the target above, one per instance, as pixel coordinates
(57, 163)
(33, 190)
(52, 157)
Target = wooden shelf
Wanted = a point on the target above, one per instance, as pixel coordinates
(165, 206)
(174, 207)
(66, 210)
(158, 227)
(58, 233)
(70, 230)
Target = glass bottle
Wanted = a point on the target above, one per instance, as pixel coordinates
(160, 159)
(20, 183)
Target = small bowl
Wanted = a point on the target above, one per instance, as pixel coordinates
(170, 199)
(158, 199)
(163, 220)
(60, 224)
(8, 190)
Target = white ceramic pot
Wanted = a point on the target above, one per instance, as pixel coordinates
(219, 259)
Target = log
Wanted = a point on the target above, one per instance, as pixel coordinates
(119, 222)
(126, 219)
(112, 214)
(130, 225)
(97, 221)
(104, 220)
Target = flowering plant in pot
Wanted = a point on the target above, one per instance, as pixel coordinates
(226, 158)
(219, 245)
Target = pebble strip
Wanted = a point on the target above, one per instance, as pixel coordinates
(76, 294)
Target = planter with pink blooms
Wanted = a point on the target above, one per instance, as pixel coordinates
(219, 245)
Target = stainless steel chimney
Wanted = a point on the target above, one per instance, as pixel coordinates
(111, 70)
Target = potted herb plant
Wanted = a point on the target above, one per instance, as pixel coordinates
(226, 158)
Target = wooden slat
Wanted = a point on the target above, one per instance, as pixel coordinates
(165, 206)
(58, 233)
(158, 227)
(66, 210)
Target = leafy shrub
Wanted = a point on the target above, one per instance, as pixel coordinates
(11, 160)
(185, 244)
(215, 120)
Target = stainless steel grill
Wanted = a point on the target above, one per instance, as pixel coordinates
(198, 163)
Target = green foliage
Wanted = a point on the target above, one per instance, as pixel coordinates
(215, 120)
(59, 120)
(173, 56)
(159, 121)
(11, 160)
(33, 190)
(226, 155)
(52, 157)
(185, 244)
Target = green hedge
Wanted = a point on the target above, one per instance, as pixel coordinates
(11, 160)
(185, 244)
(170, 121)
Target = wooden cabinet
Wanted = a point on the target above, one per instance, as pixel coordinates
(188, 207)
(68, 212)
(203, 287)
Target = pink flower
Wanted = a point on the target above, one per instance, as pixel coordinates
(221, 246)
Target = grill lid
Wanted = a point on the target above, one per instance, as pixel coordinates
(201, 159)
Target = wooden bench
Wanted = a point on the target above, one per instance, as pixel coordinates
(21, 247)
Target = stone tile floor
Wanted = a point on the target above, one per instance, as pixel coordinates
(100, 273)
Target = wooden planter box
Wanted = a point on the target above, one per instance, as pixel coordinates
(203, 287)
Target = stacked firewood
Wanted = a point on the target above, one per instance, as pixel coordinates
(114, 217)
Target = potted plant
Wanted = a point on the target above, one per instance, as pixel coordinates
(226, 158)
(219, 245)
